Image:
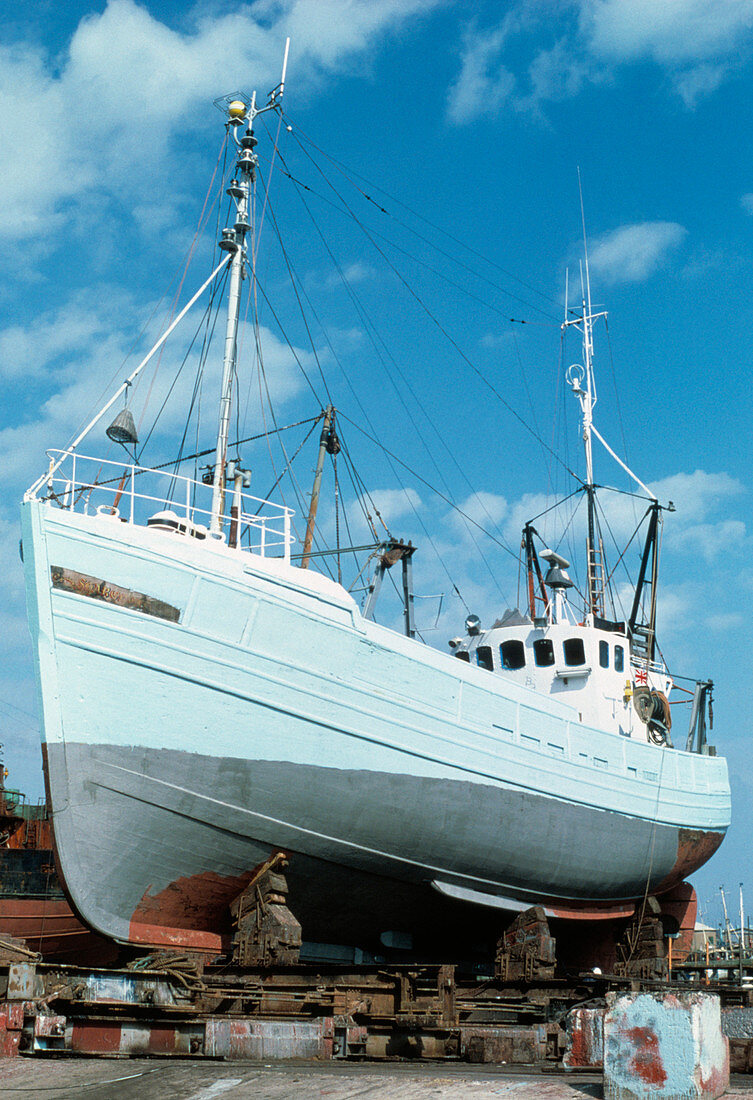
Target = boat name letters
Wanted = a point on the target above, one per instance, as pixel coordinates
(83, 585)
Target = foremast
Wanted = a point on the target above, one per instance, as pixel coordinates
(234, 240)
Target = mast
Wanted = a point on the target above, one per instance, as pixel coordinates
(727, 927)
(643, 632)
(233, 241)
(328, 443)
(581, 379)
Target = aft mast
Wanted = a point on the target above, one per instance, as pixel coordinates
(581, 379)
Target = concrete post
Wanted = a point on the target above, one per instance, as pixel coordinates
(664, 1046)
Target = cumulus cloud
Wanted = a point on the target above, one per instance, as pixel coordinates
(485, 506)
(391, 504)
(483, 83)
(698, 82)
(668, 32)
(357, 272)
(695, 495)
(78, 351)
(128, 82)
(634, 252)
(709, 539)
(696, 43)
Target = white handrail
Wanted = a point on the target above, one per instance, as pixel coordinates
(272, 529)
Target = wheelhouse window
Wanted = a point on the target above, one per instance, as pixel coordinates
(604, 654)
(619, 658)
(575, 654)
(543, 652)
(463, 655)
(513, 654)
(484, 657)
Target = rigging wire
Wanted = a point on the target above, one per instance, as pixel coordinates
(435, 320)
(216, 295)
(372, 335)
(391, 459)
(343, 169)
(424, 263)
(297, 451)
(199, 229)
(617, 399)
(140, 335)
(428, 485)
(294, 483)
(294, 285)
(600, 509)
(282, 330)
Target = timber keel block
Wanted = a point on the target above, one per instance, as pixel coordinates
(664, 1046)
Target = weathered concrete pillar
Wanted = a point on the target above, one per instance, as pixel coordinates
(664, 1046)
(585, 1039)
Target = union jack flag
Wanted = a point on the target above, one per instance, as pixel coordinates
(640, 676)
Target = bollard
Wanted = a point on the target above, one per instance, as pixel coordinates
(664, 1046)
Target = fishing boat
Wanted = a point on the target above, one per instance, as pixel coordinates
(208, 699)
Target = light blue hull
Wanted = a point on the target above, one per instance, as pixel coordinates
(244, 705)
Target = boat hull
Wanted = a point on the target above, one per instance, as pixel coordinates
(202, 824)
(227, 706)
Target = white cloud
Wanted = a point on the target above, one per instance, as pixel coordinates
(746, 201)
(667, 31)
(484, 83)
(357, 272)
(697, 43)
(696, 495)
(634, 252)
(558, 73)
(30, 350)
(710, 539)
(81, 350)
(128, 84)
(391, 504)
(496, 340)
(700, 81)
(482, 508)
(726, 621)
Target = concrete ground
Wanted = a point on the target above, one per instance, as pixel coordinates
(187, 1079)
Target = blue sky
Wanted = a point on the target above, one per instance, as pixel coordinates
(472, 120)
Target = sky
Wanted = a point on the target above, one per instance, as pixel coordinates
(427, 185)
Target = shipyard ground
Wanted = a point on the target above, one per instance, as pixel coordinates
(138, 1079)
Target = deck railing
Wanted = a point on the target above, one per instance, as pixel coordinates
(165, 501)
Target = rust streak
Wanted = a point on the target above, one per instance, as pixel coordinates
(193, 911)
(646, 1062)
(694, 848)
(81, 584)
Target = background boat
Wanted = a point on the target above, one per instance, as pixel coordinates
(33, 906)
